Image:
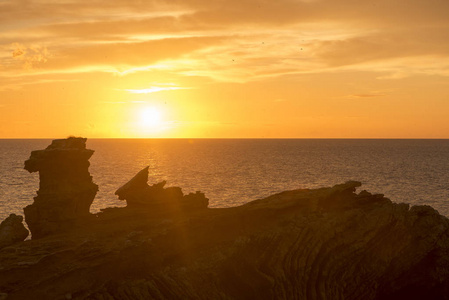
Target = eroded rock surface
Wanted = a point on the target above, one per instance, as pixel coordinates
(138, 193)
(12, 230)
(328, 243)
(66, 190)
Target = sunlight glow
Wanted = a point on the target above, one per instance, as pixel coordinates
(151, 118)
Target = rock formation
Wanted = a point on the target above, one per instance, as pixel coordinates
(66, 190)
(328, 243)
(12, 231)
(138, 193)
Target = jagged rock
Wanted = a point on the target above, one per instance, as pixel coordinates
(138, 193)
(66, 190)
(195, 200)
(137, 183)
(327, 243)
(12, 231)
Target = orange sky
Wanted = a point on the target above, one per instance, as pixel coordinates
(234, 68)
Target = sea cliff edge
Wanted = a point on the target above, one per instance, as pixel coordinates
(327, 243)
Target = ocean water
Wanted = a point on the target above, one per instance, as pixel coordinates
(234, 171)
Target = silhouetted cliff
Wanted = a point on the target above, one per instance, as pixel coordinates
(328, 243)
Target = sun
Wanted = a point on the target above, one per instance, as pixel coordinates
(151, 118)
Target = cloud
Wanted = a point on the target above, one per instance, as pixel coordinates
(384, 46)
(115, 55)
(12, 83)
(17, 52)
(154, 89)
(114, 18)
(113, 102)
(29, 55)
(225, 40)
(211, 13)
(367, 95)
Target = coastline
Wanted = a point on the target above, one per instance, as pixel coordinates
(300, 244)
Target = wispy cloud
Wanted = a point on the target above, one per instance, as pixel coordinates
(29, 55)
(155, 89)
(367, 95)
(113, 102)
(239, 41)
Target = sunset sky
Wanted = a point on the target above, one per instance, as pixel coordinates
(234, 68)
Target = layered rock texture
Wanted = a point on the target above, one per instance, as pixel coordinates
(12, 231)
(328, 243)
(138, 194)
(66, 190)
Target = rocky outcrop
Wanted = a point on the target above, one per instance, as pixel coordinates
(138, 193)
(66, 190)
(12, 231)
(328, 243)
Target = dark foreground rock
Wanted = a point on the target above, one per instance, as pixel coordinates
(66, 190)
(138, 194)
(12, 231)
(328, 243)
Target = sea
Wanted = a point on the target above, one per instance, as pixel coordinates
(232, 172)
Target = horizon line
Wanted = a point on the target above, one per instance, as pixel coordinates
(232, 138)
